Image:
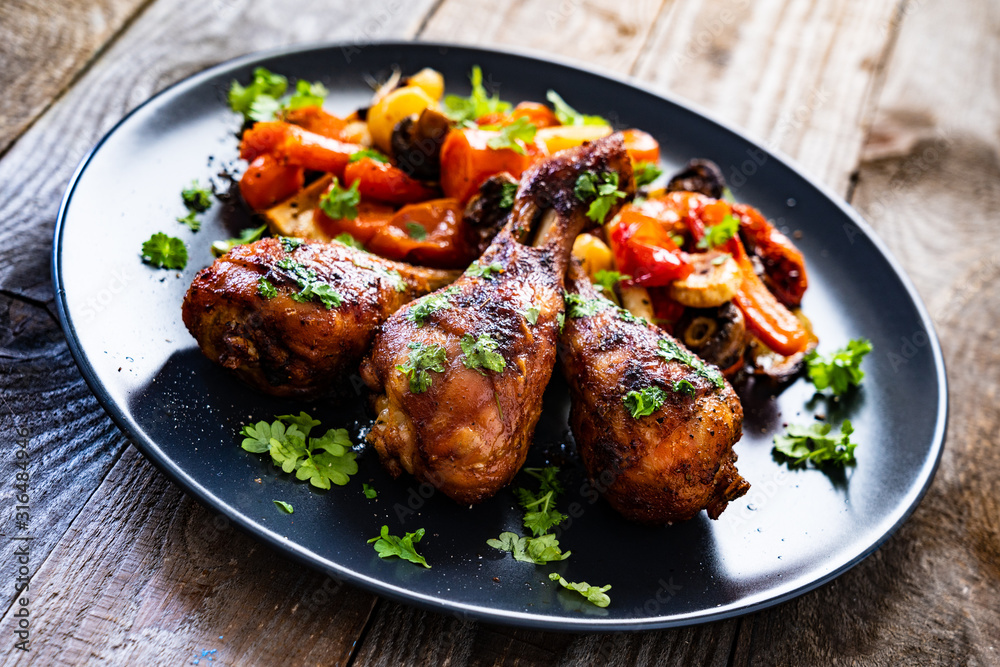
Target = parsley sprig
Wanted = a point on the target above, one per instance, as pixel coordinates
(646, 173)
(540, 517)
(404, 547)
(164, 252)
(340, 203)
(477, 270)
(248, 235)
(600, 190)
(264, 97)
(466, 110)
(814, 443)
(718, 234)
(537, 550)
(598, 595)
(567, 115)
(322, 461)
(840, 370)
(578, 306)
(644, 402)
(310, 286)
(481, 352)
(424, 307)
(423, 358)
(515, 136)
(671, 350)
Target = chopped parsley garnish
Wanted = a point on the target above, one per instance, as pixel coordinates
(537, 550)
(369, 492)
(283, 506)
(196, 198)
(684, 387)
(594, 594)
(265, 288)
(567, 115)
(716, 235)
(467, 109)
(578, 306)
(416, 231)
(248, 235)
(323, 461)
(814, 443)
(561, 321)
(646, 173)
(306, 95)
(507, 192)
(840, 370)
(514, 136)
(531, 314)
(341, 203)
(600, 190)
(164, 252)
(310, 286)
(671, 350)
(541, 514)
(349, 240)
(477, 270)
(264, 97)
(426, 306)
(290, 243)
(192, 221)
(606, 280)
(369, 153)
(633, 319)
(644, 403)
(423, 358)
(404, 547)
(482, 353)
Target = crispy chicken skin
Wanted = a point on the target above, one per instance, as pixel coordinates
(468, 432)
(664, 467)
(285, 347)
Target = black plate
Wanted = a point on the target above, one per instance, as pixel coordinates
(794, 531)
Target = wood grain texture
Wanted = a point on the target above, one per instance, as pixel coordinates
(172, 581)
(43, 46)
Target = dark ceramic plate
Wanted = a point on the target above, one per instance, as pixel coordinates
(794, 531)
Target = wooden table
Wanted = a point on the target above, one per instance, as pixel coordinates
(893, 103)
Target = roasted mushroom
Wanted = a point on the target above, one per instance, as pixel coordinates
(702, 176)
(489, 209)
(717, 335)
(416, 144)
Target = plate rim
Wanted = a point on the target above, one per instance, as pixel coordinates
(151, 451)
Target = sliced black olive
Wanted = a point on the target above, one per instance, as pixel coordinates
(717, 335)
(416, 144)
(702, 176)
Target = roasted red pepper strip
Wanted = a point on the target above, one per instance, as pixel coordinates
(384, 182)
(267, 181)
(297, 147)
(467, 161)
(371, 218)
(644, 250)
(429, 233)
(784, 265)
(314, 119)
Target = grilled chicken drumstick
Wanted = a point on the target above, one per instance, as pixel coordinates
(458, 375)
(292, 318)
(655, 424)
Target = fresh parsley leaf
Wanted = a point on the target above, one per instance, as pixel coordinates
(289, 243)
(349, 240)
(369, 153)
(404, 547)
(164, 252)
(531, 314)
(307, 95)
(191, 220)
(561, 321)
(369, 492)
(478, 104)
(633, 319)
(265, 288)
(416, 231)
(606, 280)
(283, 506)
(482, 353)
(646, 173)
(303, 421)
(537, 550)
(644, 403)
(507, 192)
(321, 461)
(597, 595)
(671, 350)
(423, 358)
(248, 235)
(600, 190)
(341, 203)
(716, 235)
(815, 443)
(541, 515)
(329, 458)
(477, 270)
(578, 306)
(310, 286)
(514, 136)
(196, 198)
(264, 91)
(426, 306)
(287, 445)
(840, 370)
(567, 115)
(684, 387)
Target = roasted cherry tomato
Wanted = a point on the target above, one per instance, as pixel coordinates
(384, 182)
(641, 146)
(267, 181)
(644, 250)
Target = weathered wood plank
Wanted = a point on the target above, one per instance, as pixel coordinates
(43, 46)
(72, 442)
(929, 182)
(795, 75)
(173, 583)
